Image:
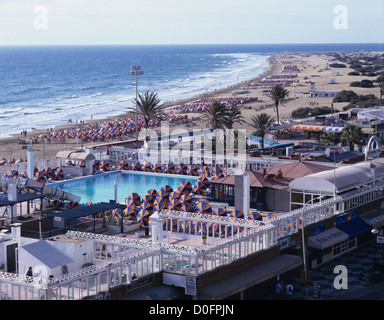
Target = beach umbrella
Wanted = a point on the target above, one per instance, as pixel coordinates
(152, 193)
(187, 207)
(24, 175)
(174, 204)
(129, 211)
(169, 168)
(165, 190)
(216, 176)
(59, 174)
(14, 174)
(146, 206)
(89, 203)
(19, 160)
(160, 204)
(105, 165)
(40, 177)
(56, 204)
(192, 170)
(255, 216)
(219, 212)
(185, 187)
(236, 214)
(203, 207)
(131, 203)
(203, 171)
(73, 204)
(135, 198)
(157, 168)
(136, 166)
(203, 180)
(143, 217)
(82, 164)
(96, 164)
(148, 198)
(117, 212)
(69, 163)
(123, 165)
(185, 198)
(49, 173)
(181, 169)
(147, 167)
(216, 170)
(183, 225)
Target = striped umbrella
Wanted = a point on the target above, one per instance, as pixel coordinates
(219, 212)
(169, 168)
(49, 173)
(123, 165)
(152, 193)
(40, 177)
(160, 204)
(143, 217)
(59, 174)
(136, 166)
(216, 170)
(148, 167)
(192, 170)
(202, 171)
(73, 204)
(56, 204)
(117, 212)
(187, 207)
(146, 206)
(14, 174)
(203, 207)
(183, 226)
(148, 198)
(131, 203)
(135, 198)
(165, 190)
(174, 204)
(255, 216)
(185, 187)
(157, 168)
(105, 165)
(69, 163)
(185, 198)
(203, 180)
(129, 211)
(218, 175)
(236, 214)
(175, 194)
(199, 188)
(82, 164)
(96, 164)
(181, 169)
(89, 203)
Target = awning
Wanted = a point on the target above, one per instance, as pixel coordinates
(375, 219)
(355, 227)
(155, 293)
(368, 130)
(301, 127)
(327, 238)
(333, 129)
(241, 281)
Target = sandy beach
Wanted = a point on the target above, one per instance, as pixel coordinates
(312, 68)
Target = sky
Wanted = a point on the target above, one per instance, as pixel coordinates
(53, 22)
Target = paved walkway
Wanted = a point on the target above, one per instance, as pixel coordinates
(357, 263)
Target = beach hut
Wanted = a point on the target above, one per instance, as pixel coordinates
(236, 214)
(73, 204)
(203, 207)
(219, 212)
(169, 168)
(59, 174)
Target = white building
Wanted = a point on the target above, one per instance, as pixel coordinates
(321, 93)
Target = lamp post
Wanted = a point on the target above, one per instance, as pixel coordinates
(136, 71)
(303, 242)
(43, 143)
(374, 232)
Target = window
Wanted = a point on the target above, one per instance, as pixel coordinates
(343, 246)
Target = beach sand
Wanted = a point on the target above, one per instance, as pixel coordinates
(312, 69)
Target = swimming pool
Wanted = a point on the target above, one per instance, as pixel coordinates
(100, 187)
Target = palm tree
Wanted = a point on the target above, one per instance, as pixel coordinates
(262, 123)
(215, 115)
(330, 138)
(233, 116)
(149, 107)
(352, 135)
(278, 94)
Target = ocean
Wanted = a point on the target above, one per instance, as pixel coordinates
(44, 86)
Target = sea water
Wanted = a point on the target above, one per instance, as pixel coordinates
(44, 86)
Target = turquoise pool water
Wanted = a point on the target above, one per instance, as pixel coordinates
(100, 187)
